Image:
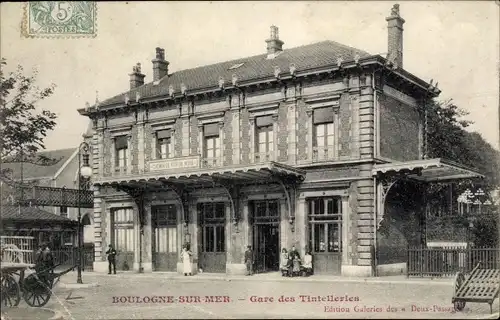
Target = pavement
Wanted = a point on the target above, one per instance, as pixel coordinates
(211, 296)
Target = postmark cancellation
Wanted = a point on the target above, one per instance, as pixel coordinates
(59, 19)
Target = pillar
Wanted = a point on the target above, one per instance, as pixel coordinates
(301, 228)
(147, 240)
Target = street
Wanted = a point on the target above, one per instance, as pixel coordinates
(134, 297)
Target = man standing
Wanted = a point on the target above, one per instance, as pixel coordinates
(111, 259)
(249, 260)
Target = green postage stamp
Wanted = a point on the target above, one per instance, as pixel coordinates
(59, 19)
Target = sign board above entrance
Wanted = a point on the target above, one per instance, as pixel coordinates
(175, 163)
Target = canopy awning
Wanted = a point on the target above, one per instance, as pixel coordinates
(428, 170)
(207, 177)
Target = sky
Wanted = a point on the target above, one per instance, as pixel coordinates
(455, 43)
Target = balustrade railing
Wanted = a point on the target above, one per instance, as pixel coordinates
(210, 162)
(57, 197)
(261, 157)
(324, 153)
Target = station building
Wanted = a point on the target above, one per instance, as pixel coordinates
(296, 146)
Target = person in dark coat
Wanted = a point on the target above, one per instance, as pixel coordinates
(249, 260)
(111, 259)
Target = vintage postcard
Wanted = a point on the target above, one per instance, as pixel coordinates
(242, 160)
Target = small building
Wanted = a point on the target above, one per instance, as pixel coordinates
(321, 146)
(62, 173)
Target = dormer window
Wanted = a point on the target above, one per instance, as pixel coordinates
(235, 66)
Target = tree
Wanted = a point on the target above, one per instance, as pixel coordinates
(23, 126)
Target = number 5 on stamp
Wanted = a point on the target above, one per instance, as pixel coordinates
(56, 19)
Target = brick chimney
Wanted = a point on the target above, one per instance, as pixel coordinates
(136, 77)
(160, 65)
(395, 37)
(274, 44)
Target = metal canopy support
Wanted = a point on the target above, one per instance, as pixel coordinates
(232, 191)
(385, 183)
(289, 186)
(182, 197)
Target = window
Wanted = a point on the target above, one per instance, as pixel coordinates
(325, 219)
(324, 134)
(164, 220)
(211, 151)
(123, 229)
(212, 217)
(164, 148)
(266, 211)
(63, 211)
(265, 138)
(121, 147)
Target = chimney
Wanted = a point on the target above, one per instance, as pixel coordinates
(395, 37)
(274, 44)
(136, 77)
(160, 65)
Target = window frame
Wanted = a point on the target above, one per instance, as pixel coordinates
(320, 223)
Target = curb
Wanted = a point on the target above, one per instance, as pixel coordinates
(78, 285)
(494, 315)
(298, 279)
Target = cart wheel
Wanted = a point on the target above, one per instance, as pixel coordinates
(10, 291)
(36, 290)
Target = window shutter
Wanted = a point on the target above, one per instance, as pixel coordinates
(211, 129)
(163, 134)
(323, 115)
(264, 121)
(121, 142)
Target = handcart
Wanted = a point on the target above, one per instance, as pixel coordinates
(482, 285)
(17, 260)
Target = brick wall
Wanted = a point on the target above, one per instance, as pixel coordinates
(148, 144)
(302, 119)
(398, 130)
(178, 137)
(282, 133)
(228, 138)
(134, 150)
(345, 114)
(107, 153)
(194, 135)
(245, 136)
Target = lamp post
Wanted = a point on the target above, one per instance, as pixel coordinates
(84, 171)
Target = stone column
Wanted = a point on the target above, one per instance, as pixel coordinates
(301, 229)
(137, 239)
(251, 119)
(100, 221)
(147, 240)
(274, 155)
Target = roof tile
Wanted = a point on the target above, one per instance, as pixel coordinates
(305, 57)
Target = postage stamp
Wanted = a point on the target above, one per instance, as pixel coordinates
(59, 19)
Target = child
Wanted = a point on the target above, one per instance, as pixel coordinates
(284, 263)
(307, 266)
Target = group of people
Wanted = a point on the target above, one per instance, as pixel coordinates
(291, 265)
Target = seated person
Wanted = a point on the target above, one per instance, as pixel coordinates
(307, 266)
(284, 263)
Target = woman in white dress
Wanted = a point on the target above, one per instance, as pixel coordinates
(186, 260)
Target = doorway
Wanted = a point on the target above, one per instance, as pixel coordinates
(164, 244)
(213, 236)
(266, 235)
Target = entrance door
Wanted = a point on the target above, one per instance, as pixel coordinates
(164, 246)
(325, 231)
(266, 235)
(122, 238)
(212, 217)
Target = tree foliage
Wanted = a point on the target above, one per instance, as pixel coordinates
(23, 126)
(447, 138)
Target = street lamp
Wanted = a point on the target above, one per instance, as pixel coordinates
(84, 171)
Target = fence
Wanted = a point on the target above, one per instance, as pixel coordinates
(69, 257)
(446, 262)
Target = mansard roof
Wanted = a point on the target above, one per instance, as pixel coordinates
(306, 57)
